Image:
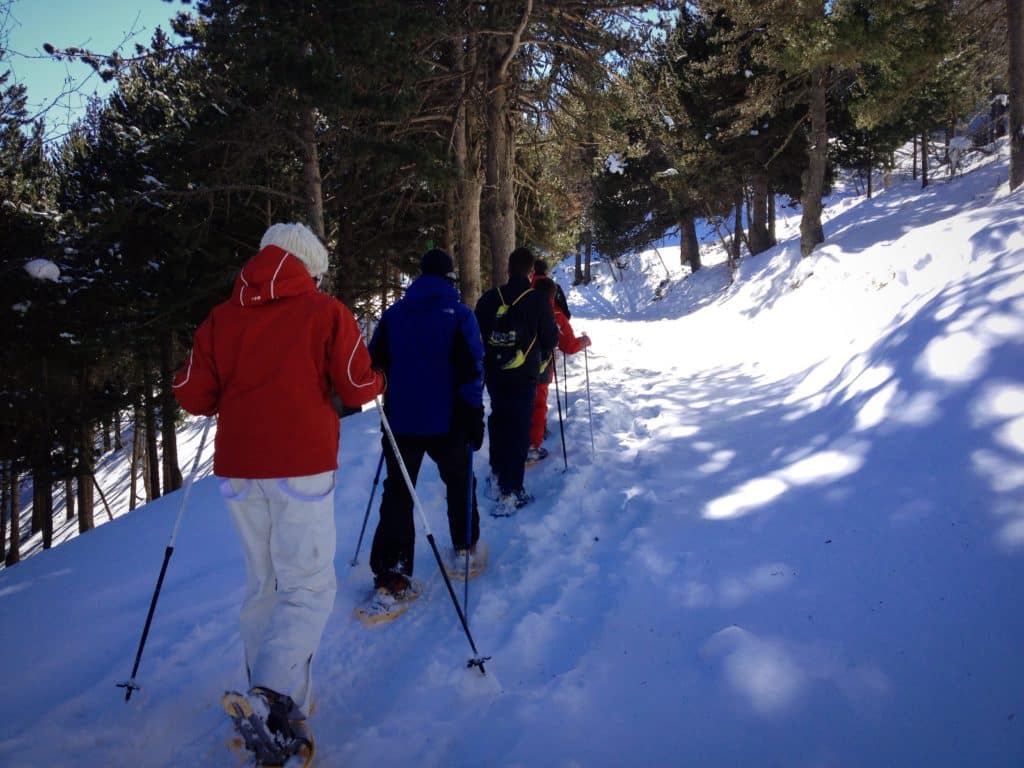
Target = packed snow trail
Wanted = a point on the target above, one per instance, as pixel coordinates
(798, 543)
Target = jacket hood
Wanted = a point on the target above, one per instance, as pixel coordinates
(271, 274)
(427, 288)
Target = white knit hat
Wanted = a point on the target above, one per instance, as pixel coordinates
(299, 241)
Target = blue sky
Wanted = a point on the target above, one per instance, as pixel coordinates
(101, 27)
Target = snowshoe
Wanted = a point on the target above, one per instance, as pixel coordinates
(386, 603)
(477, 562)
(510, 503)
(533, 455)
(266, 732)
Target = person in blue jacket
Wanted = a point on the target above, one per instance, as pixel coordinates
(429, 346)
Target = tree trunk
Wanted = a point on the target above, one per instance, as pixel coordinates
(14, 552)
(737, 232)
(501, 151)
(103, 497)
(500, 206)
(757, 236)
(133, 471)
(811, 232)
(448, 237)
(42, 487)
(115, 421)
(86, 500)
(913, 173)
(469, 186)
(152, 454)
(69, 498)
(5, 495)
(588, 244)
(772, 237)
(42, 496)
(924, 159)
(470, 191)
(169, 415)
(1015, 24)
(871, 174)
(689, 246)
(312, 182)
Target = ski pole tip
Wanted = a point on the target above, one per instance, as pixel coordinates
(129, 686)
(478, 662)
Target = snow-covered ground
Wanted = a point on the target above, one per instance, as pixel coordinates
(796, 543)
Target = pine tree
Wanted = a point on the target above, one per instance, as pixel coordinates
(1015, 27)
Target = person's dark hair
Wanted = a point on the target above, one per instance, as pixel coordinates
(540, 267)
(546, 286)
(520, 262)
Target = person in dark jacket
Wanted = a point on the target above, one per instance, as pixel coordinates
(429, 346)
(512, 389)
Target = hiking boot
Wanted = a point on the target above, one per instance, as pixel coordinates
(284, 720)
(396, 584)
(536, 453)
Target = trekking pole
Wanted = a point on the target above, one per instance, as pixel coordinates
(561, 426)
(590, 413)
(366, 517)
(565, 382)
(131, 684)
(469, 530)
(478, 660)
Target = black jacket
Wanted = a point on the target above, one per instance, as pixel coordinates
(537, 315)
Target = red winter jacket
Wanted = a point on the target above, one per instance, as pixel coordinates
(266, 361)
(567, 340)
(568, 343)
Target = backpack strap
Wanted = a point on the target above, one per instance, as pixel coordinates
(528, 290)
(505, 306)
(521, 355)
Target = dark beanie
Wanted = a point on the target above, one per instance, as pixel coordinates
(437, 262)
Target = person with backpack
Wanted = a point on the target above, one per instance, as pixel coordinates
(429, 346)
(519, 331)
(568, 344)
(268, 362)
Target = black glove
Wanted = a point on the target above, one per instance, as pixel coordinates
(468, 421)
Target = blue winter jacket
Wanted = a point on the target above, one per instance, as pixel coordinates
(429, 345)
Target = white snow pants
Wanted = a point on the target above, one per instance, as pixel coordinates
(287, 530)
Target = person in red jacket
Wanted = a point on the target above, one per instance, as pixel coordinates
(268, 362)
(568, 344)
